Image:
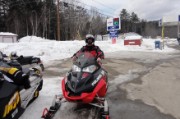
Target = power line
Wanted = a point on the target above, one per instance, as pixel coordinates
(110, 14)
(107, 14)
(104, 5)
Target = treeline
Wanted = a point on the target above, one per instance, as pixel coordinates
(131, 22)
(39, 18)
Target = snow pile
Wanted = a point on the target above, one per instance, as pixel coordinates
(33, 39)
(6, 33)
(54, 50)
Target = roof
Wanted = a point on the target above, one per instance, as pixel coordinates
(7, 34)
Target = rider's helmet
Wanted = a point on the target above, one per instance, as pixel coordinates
(13, 54)
(89, 39)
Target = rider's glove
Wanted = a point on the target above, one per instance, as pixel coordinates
(98, 59)
(74, 58)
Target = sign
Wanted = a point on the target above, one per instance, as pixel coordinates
(179, 18)
(112, 28)
(113, 24)
(113, 33)
(160, 23)
(116, 22)
(109, 23)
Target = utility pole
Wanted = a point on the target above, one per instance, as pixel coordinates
(178, 34)
(163, 29)
(58, 21)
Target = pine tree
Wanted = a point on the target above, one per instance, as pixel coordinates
(134, 17)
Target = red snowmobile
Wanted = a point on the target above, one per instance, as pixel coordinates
(86, 84)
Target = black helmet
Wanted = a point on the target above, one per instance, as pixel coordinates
(89, 39)
(13, 54)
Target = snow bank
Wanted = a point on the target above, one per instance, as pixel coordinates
(33, 39)
(55, 50)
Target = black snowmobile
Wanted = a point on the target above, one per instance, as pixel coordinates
(14, 99)
(27, 61)
(23, 61)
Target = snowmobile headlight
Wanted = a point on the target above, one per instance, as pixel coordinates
(90, 69)
(75, 68)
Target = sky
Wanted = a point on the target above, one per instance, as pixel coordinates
(146, 9)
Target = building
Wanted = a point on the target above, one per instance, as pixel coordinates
(6, 37)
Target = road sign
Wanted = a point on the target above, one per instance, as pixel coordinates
(109, 23)
(113, 34)
(160, 23)
(116, 22)
(114, 31)
(112, 28)
(113, 24)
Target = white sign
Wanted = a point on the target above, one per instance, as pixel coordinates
(109, 22)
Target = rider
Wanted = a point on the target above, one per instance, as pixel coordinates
(13, 74)
(13, 55)
(90, 47)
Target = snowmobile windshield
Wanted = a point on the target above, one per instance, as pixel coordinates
(85, 62)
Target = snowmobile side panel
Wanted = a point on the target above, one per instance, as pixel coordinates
(9, 101)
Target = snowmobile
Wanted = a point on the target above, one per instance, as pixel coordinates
(23, 61)
(28, 61)
(85, 84)
(14, 99)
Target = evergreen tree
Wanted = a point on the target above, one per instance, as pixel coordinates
(125, 18)
(124, 15)
(134, 17)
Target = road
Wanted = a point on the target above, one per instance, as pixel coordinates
(144, 86)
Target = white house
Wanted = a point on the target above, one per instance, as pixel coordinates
(7, 37)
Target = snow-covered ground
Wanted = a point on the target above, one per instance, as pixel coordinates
(54, 50)
(49, 50)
